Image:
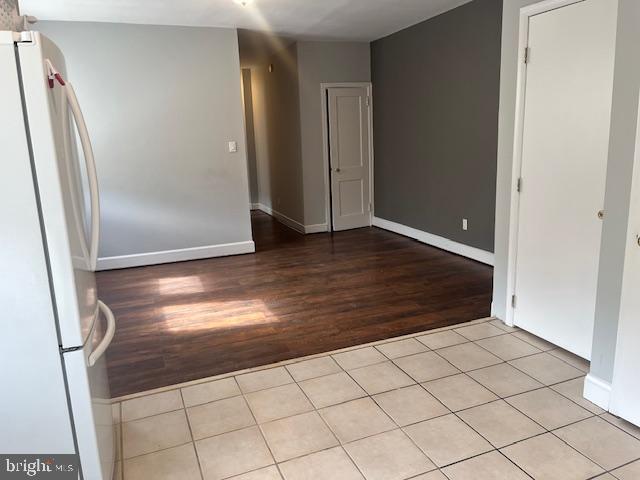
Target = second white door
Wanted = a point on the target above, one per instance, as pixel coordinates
(350, 157)
(569, 81)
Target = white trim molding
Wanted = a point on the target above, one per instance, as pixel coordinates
(254, 206)
(181, 255)
(324, 88)
(474, 253)
(318, 228)
(516, 171)
(597, 391)
(282, 218)
(291, 223)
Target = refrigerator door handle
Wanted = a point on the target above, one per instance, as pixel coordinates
(94, 193)
(108, 336)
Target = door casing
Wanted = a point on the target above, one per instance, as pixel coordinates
(523, 40)
(324, 88)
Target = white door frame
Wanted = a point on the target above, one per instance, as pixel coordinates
(623, 399)
(516, 172)
(324, 87)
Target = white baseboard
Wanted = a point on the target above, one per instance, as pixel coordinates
(435, 240)
(254, 206)
(169, 256)
(291, 223)
(597, 391)
(282, 218)
(320, 227)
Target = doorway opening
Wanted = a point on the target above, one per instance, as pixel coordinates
(348, 154)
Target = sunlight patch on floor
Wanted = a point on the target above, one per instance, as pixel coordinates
(211, 315)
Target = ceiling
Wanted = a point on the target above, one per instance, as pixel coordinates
(303, 19)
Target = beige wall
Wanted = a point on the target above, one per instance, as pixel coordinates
(161, 103)
(287, 116)
(247, 98)
(322, 62)
(276, 124)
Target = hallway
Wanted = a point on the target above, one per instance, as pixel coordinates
(298, 295)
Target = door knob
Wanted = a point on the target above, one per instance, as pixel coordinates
(601, 214)
(338, 169)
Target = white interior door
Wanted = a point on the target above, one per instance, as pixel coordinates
(625, 390)
(569, 81)
(350, 157)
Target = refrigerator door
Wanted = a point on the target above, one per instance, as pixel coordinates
(30, 421)
(91, 401)
(58, 178)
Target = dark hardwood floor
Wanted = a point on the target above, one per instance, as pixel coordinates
(298, 295)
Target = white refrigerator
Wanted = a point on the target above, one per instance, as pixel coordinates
(54, 392)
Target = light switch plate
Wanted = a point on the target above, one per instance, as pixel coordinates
(465, 225)
(233, 147)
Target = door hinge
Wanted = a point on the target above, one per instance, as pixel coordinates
(369, 206)
(513, 301)
(519, 185)
(367, 100)
(70, 349)
(527, 54)
(9, 38)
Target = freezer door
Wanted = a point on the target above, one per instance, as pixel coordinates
(58, 177)
(91, 401)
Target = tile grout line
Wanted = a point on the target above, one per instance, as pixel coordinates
(504, 399)
(623, 465)
(583, 454)
(193, 440)
(284, 363)
(515, 464)
(368, 395)
(255, 420)
(160, 450)
(154, 415)
(392, 419)
(421, 385)
(552, 432)
(335, 435)
(319, 376)
(121, 440)
(341, 445)
(614, 425)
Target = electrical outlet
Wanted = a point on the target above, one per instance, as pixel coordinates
(465, 225)
(233, 147)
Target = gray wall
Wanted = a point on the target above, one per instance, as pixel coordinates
(161, 103)
(322, 62)
(435, 99)
(624, 120)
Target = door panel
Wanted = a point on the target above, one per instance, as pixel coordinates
(350, 197)
(564, 156)
(350, 157)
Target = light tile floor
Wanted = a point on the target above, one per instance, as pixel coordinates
(479, 401)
